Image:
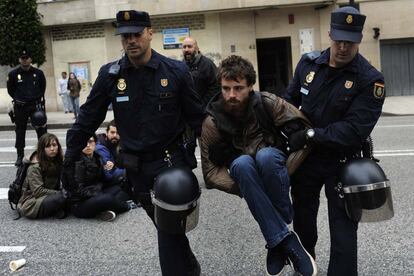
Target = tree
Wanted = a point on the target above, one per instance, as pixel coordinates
(20, 28)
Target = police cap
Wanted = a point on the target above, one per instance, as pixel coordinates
(24, 53)
(131, 21)
(347, 24)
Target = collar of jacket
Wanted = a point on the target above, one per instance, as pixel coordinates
(324, 59)
(153, 63)
(224, 121)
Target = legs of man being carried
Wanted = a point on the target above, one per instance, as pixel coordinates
(264, 184)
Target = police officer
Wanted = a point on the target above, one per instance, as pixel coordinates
(342, 95)
(26, 85)
(153, 97)
(202, 69)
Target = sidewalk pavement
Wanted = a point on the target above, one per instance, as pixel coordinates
(393, 106)
(54, 120)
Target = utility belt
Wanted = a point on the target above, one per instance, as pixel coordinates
(132, 160)
(38, 102)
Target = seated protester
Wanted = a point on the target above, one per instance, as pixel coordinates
(41, 192)
(107, 148)
(89, 198)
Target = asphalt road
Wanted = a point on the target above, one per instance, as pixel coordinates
(227, 240)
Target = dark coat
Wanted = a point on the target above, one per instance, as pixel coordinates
(204, 73)
(88, 177)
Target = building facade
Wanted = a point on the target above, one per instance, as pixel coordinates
(272, 34)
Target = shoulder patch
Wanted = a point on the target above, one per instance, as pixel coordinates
(379, 90)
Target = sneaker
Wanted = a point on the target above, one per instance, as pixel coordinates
(275, 261)
(107, 216)
(131, 204)
(301, 260)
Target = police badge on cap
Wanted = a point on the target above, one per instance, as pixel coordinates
(131, 22)
(347, 24)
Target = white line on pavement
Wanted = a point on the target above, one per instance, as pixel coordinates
(386, 126)
(394, 154)
(12, 248)
(3, 193)
(388, 151)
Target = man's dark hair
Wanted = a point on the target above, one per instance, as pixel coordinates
(110, 124)
(236, 68)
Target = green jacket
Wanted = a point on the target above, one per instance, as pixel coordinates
(36, 187)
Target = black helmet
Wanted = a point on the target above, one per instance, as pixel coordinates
(38, 118)
(175, 196)
(367, 191)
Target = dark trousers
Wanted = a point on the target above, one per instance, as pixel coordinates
(110, 199)
(176, 257)
(22, 114)
(51, 205)
(306, 186)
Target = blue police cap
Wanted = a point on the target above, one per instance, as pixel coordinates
(131, 21)
(24, 53)
(347, 24)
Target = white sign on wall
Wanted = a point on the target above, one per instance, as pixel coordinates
(306, 40)
(173, 38)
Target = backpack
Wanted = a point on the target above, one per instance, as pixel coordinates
(15, 188)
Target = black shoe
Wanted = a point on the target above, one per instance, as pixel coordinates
(301, 260)
(275, 261)
(61, 214)
(107, 216)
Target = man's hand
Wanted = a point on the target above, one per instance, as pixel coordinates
(109, 165)
(221, 154)
(297, 141)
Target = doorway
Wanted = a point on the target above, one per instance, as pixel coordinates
(274, 58)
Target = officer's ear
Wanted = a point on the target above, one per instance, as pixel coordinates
(150, 31)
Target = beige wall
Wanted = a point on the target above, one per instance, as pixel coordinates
(227, 23)
(92, 50)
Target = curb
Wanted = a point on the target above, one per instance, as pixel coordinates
(49, 126)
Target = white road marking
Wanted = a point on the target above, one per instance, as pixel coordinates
(3, 193)
(12, 248)
(386, 126)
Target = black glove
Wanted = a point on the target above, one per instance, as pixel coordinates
(68, 177)
(297, 140)
(222, 154)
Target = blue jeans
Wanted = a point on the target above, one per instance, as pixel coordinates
(264, 184)
(75, 105)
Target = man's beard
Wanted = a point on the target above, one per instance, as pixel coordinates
(114, 141)
(236, 108)
(189, 57)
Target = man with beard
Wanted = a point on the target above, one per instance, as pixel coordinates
(203, 70)
(108, 148)
(26, 85)
(240, 156)
(153, 99)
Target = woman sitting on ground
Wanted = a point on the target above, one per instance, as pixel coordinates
(41, 192)
(90, 198)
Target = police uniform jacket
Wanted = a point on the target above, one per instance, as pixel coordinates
(26, 86)
(248, 137)
(342, 104)
(151, 105)
(204, 73)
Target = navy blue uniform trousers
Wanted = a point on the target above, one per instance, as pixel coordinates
(306, 184)
(176, 257)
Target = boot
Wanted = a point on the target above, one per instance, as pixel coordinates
(20, 155)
